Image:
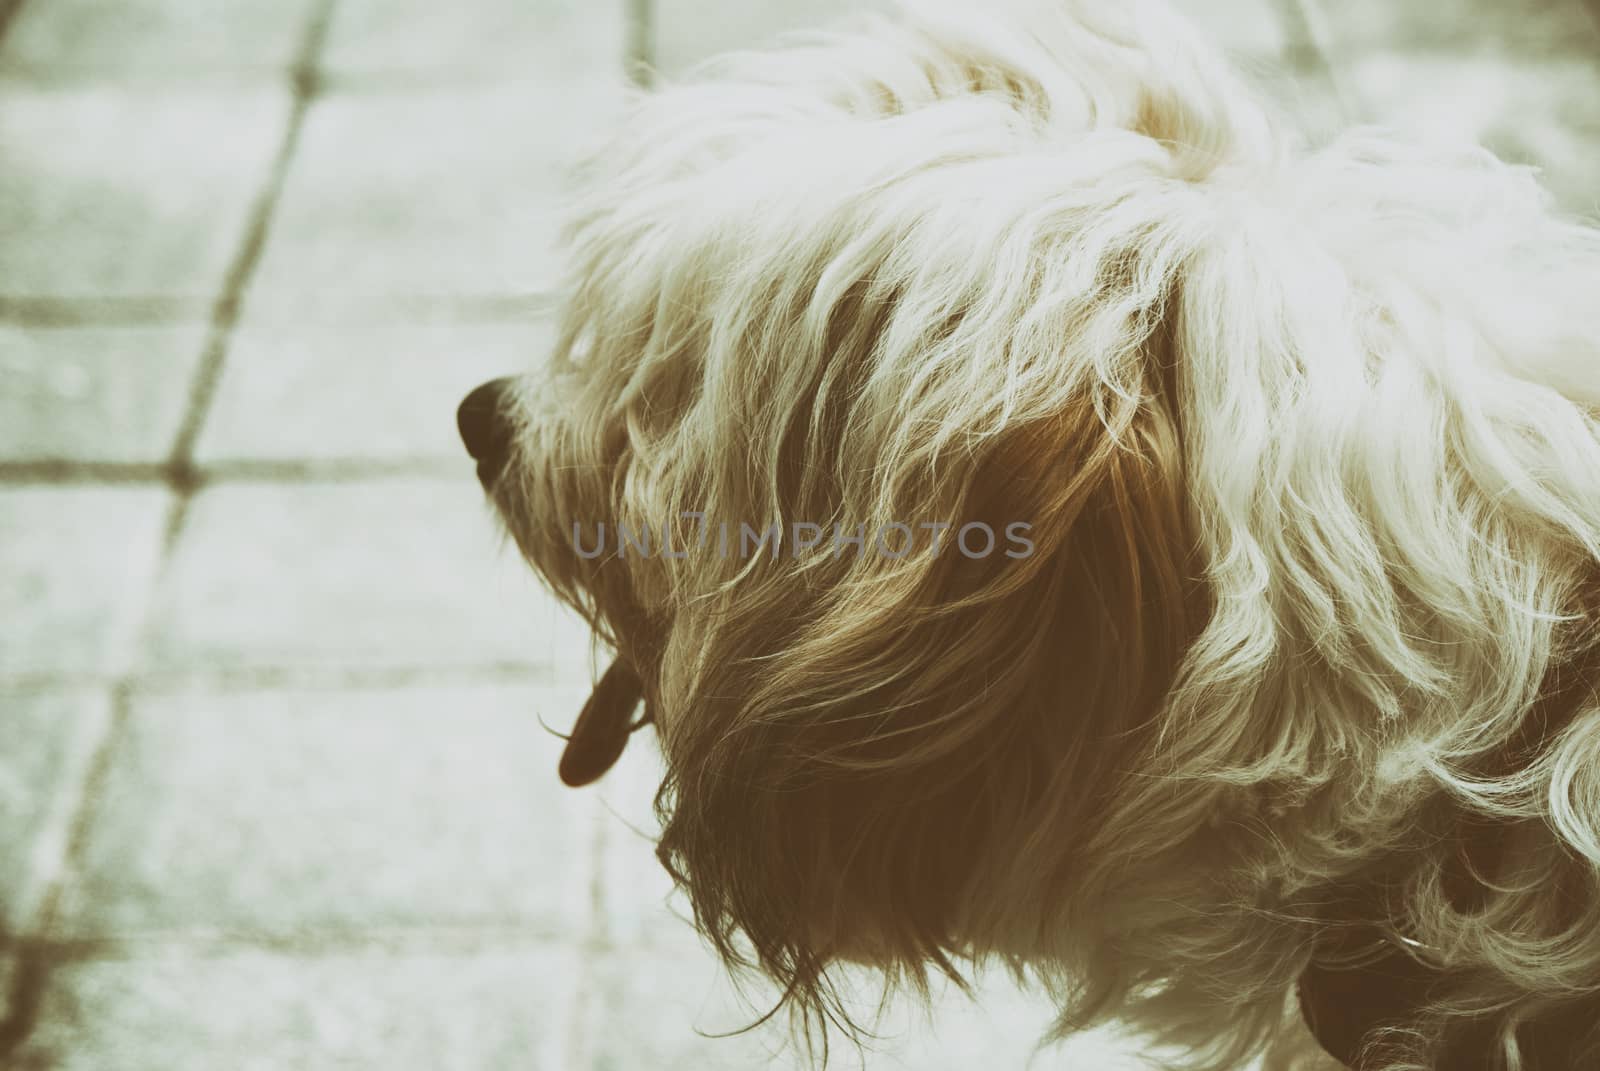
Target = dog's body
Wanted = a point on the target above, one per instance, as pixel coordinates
(1307, 451)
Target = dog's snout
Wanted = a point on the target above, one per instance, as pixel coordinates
(485, 431)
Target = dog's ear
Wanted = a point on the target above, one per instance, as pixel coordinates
(603, 726)
(894, 766)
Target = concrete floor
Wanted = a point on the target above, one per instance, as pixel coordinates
(273, 787)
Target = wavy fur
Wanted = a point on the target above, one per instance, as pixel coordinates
(1309, 446)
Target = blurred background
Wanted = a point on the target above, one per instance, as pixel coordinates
(274, 789)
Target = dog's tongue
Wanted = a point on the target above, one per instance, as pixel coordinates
(602, 730)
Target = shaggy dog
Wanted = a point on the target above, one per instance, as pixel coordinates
(1279, 698)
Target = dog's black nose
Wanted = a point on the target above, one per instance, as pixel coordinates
(484, 428)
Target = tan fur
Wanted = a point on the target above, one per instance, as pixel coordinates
(1306, 442)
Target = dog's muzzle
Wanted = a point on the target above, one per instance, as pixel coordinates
(606, 722)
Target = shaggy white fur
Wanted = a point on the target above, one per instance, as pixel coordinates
(1308, 444)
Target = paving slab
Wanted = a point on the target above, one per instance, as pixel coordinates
(476, 40)
(491, 1010)
(92, 37)
(76, 565)
(1242, 27)
(684, 32)
(1000, 1026)
(1540, 112)
(47, 739)
(114, 394)
(688, 31)
(371, 393)
(684, 1012)
(107, 193)
(383, 574)
(639, 908)
(452, 193)
(314, 812)
(1532, 28)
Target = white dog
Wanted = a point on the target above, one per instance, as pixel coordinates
(1273, 677)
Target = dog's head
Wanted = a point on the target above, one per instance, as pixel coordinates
(1039, 515)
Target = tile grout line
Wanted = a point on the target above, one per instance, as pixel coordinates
(25, 473)
(1592, 9)
(43, 881)
(466, 939)
(392, 81)
(225, 313)
(34, 962)
(639, 55)
(591, 950)
(154, 311)
(248, 679)
(129, 311)
(8, 14)
(639, 68)
(137, 473)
